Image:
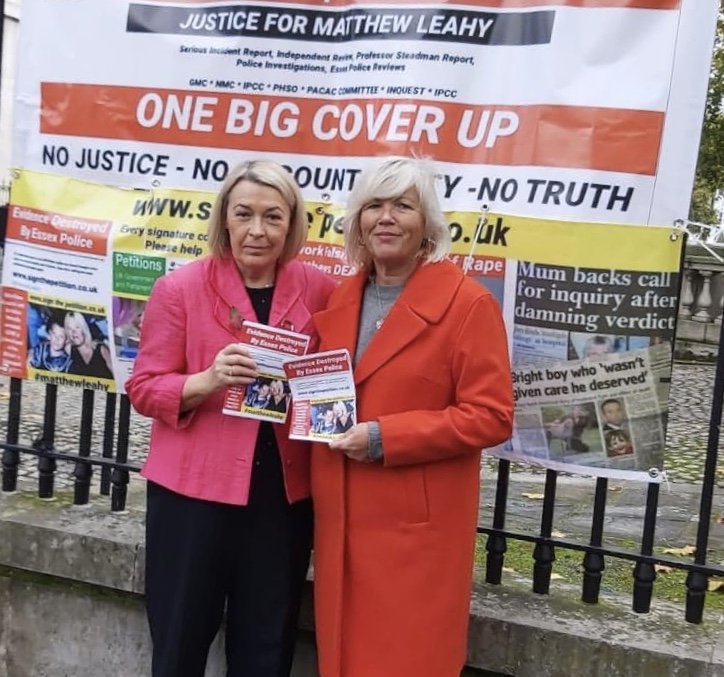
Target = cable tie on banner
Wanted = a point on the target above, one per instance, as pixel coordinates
(665, 480)
(712, 235)
(151, 191)
(5, 189)
(326, 201)
(482, 221)
(656, 474)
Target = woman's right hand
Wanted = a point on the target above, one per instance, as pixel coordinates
(233, 366)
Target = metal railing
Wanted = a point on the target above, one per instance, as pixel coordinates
(113, 457)
(112, 460)
(645, 561)
(4, 199)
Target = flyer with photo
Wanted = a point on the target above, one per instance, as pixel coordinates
(267, 398)
(323, 395)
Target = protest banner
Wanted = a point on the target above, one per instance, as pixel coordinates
(590, 308)
(578, 110)
(591, 314)
(534, 111)
(92, 250)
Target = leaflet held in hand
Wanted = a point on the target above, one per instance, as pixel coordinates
(324, 401)
(267, 398)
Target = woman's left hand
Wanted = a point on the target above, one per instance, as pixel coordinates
(354, 443)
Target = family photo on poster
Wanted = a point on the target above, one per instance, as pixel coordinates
(68, 342)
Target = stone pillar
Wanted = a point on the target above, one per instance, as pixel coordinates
(703, 303)
(687, 293)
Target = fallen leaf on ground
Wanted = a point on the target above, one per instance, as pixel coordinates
(720, 519)
(558, 534)
(508, 570)
(686, 550)
(556, 577)
(662, 569)
(616, 487)
(538, 497)
(715, 585)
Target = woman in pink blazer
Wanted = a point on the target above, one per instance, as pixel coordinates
(228, 510)
(396, 496)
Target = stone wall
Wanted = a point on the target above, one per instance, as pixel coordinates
(71, 606)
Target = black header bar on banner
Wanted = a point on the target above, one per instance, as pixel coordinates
(335, 26)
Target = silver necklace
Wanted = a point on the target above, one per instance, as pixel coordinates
(382, 315)
(266, 285)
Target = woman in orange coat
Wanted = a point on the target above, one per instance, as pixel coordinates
(396, 496)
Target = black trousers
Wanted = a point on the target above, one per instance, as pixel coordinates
(202, 557)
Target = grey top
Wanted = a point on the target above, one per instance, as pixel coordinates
(377, 302)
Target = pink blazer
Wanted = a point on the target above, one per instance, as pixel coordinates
(204, 453)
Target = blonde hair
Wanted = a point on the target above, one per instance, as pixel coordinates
(81, 321)
(390, 178)
(263, 173)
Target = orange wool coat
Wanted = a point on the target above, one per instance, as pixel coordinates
(394, 541)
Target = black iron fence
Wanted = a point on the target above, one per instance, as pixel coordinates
(4, 199)
(111, 459)
(594, 553)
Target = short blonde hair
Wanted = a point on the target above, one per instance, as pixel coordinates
(263, 173)
(390, 178)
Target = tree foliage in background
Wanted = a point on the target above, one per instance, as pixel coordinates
(709, 181)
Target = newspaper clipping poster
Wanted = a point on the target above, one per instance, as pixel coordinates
(267, 398)
(323, 395)
(591, 323)
(600, 412)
